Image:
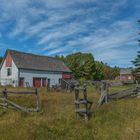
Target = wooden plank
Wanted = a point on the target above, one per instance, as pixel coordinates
(8, 102)
(19, 92)
(14, 104)
(83, 102)
(126, 94)
(121, 92)
(3, 104)
(83, 110)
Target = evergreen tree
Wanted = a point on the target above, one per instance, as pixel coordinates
(136, 62)
(0, 60)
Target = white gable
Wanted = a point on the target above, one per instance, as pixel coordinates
(11, 79)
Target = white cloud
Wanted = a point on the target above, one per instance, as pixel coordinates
(59, 26)
(19, 27)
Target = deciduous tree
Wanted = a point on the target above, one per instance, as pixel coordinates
(82, 65)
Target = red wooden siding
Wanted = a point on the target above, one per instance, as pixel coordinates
(21, 82)
(125, 77)
(44, 82)
(37, 82)
(67, 75)
(8, 60)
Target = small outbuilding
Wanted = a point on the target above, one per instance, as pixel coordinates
(27, 69)
(126, 75)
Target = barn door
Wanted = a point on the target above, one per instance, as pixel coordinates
(21, 82)
(43, 82)
(37, 82)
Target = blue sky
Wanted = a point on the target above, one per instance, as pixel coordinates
(106, 28)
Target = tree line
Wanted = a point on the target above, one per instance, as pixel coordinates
(84, 66)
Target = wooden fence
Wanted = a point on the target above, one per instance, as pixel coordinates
(82, 104)
(68, 85)
(105, 95)
(6, 103)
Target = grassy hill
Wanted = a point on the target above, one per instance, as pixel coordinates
(116, 120)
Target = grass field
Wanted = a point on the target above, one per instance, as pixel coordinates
(116, 120)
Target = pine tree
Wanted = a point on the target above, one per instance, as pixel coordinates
(139, 33)
(0, 60)
(136, 63)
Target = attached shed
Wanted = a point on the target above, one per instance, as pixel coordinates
(22, 69)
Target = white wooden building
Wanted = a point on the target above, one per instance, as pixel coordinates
(22, 69)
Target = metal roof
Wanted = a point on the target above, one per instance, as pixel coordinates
(37, 62)
(125, 71)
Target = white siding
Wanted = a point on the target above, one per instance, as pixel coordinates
(9, 80)
(28, 76)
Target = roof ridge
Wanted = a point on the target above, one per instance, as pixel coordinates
(28, 53)
(37, 62)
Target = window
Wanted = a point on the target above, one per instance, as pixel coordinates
(48, 82)
(9, 72)
(59, 80)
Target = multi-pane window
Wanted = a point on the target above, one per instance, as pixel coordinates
(9, 72)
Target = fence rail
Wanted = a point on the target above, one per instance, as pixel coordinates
(105, 95)
(8, 103)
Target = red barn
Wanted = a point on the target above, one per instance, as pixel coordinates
(126, 75)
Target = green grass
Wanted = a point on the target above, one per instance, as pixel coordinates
(116, 120)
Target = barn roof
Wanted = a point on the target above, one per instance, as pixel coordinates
(125, 71)
(37, 62)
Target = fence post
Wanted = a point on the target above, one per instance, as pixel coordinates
(38, 107)
(5, 97)
(106, 91)
(77, 106)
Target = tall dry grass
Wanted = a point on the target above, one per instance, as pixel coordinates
(116, 120)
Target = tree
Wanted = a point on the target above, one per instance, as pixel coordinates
(139, 33)
(115, 72)
(136, 71)
(99, 75)
(136, 63)
(0, 60)
(85, 67)
(110, 73)
(82, 65)
(105, 72)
